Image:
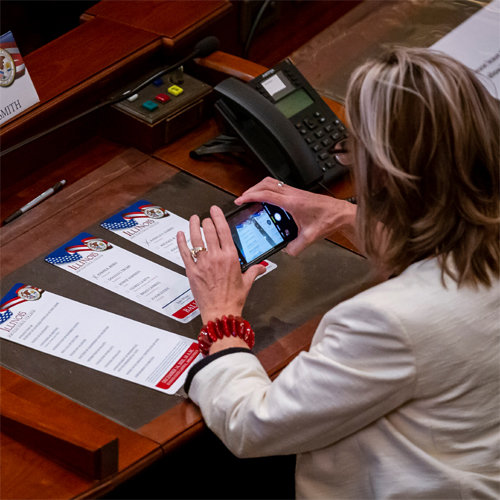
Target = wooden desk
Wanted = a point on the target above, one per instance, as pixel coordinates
(106, 177)
(117, 183)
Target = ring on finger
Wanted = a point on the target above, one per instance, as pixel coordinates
(195, 251)
(280, 184)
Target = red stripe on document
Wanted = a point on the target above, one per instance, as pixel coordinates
(180, 367)
(187, 309)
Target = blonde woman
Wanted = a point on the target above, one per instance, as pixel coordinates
(398, 396)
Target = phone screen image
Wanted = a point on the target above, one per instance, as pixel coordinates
(259, 230)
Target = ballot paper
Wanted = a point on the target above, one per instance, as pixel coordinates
(127, 274)
(153, 227)
(98, 339)
(476, 43)
(150, 226)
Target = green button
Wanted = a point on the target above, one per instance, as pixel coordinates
(149, 105)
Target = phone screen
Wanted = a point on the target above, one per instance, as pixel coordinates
(259, 230)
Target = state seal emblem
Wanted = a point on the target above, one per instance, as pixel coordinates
(7, 69)
(29, 293)
(97, 244)
(154, 212)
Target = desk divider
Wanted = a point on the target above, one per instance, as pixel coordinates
(72, 442)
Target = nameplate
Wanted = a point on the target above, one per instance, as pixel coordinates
(17, 92)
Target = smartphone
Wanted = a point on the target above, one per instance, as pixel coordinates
(259, 230)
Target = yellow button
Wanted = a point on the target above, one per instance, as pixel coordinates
(175, 90)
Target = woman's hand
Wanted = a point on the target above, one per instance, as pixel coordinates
(316, 215)
(218, 285)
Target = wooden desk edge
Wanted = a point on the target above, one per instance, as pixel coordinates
(135, 451)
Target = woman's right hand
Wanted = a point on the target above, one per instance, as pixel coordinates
(316, 215)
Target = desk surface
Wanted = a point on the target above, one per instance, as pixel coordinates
(278, 303)
(285, 307)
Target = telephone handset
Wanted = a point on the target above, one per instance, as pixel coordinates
(284, 122)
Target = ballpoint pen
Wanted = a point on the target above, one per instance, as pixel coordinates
(35, 201)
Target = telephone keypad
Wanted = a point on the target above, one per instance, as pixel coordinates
(310, 123)
(322, 137)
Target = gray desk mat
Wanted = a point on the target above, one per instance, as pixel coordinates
(299, 289)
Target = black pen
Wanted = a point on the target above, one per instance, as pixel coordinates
(35, 201)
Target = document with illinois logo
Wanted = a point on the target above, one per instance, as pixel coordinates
(150, 226)
(17, 92)
(155, 228)
(127, 274)
(98, 339)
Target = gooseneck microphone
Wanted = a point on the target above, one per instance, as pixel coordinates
(203, 48)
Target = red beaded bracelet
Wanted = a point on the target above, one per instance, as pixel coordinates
(227, 326)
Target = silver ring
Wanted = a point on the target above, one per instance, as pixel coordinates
(195, 251)
(280, 184)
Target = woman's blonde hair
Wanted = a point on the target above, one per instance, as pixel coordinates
(426, 164)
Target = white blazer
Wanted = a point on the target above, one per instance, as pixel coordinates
(398, 396)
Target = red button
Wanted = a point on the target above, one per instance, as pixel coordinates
(163, 98)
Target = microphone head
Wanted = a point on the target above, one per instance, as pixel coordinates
(206, 46)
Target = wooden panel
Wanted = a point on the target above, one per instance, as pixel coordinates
(69, 441)
(222, 171)
(81, 53)
(26, 473)
(67, 212)
(231, 65)
(88, 156)
(166, 18)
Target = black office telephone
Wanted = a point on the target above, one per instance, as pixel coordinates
(284, 123)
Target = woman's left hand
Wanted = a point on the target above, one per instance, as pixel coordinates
(218, 285)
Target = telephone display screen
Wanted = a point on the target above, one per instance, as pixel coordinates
(259, 230)
(294, 103)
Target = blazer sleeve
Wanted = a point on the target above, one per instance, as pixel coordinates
(362, 368)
